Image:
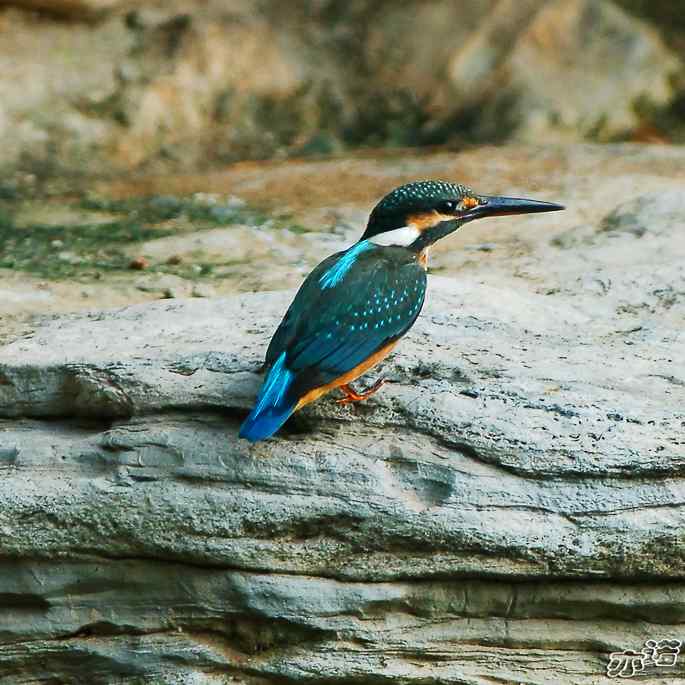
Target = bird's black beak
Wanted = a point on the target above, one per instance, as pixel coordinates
(492, 205)
(479, 207)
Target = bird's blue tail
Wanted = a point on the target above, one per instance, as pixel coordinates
(273, 406)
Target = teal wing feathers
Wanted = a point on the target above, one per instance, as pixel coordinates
(349, 307)
(329, 331)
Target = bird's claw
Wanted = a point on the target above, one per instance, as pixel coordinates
(351, 395)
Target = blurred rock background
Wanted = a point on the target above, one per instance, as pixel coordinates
(101, 86)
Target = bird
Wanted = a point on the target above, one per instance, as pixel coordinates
(354, 307)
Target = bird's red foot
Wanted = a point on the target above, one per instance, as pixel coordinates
(351, 395)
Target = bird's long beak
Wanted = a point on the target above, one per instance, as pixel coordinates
(492, 205)
(481, 206)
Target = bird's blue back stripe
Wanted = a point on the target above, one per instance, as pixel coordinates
(275, 385)
(337, 272)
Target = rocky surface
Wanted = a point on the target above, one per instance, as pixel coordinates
(508, 508)
(179, 84)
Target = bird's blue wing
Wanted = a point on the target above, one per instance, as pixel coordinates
(344, 314)
(351, 306)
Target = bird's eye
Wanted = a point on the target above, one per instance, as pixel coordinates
(447, 207)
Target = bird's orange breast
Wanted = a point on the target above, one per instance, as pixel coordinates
(348, 377)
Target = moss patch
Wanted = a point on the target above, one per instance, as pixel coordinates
(82, 238)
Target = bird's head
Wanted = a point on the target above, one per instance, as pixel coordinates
(418, 214)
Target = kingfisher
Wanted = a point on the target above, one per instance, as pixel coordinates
(353, 308)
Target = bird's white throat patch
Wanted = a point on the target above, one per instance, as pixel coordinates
(402, 237)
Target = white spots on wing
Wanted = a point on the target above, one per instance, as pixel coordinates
(387, 310)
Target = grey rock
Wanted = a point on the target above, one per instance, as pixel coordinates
(508, 508)
(166, 285)
(203, 290)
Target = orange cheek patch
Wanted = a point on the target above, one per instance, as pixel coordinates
(427, 219)
(470, 202)
(424, 220)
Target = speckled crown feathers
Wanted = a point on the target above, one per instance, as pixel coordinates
(420, 192)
